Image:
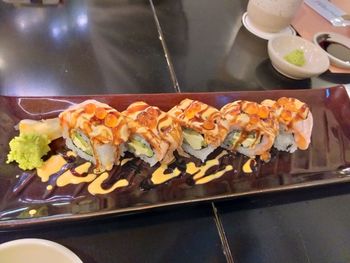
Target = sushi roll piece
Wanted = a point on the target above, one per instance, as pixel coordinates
(295, 123)
(252, 128)
(154, 135)
(202, 127)
(96, 132)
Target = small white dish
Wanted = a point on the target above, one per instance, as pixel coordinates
(262, 34)
(337, 47)
(36, 250)
(316, 59)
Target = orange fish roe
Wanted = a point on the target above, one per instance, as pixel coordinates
(111, 120)
(90, 108)
(192, 110)
(250, 108)
(100, 113)
(87, 127)
(283, 101)
(286, 115)
(208, 125)
(263, 112)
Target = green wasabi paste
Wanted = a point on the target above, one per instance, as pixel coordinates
(27, 150)
(296, 57)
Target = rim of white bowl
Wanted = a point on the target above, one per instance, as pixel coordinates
(289, 30)
(299, 69)
(341, 62)
(42, 242)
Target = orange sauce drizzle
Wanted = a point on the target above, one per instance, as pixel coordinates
(159, 177)
(96, 186)
(204, 168)
(53, 165)
(215, 175)
(247, 166)
(69, 178)
(56, 162)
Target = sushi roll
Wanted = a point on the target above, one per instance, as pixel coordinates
(202, 127)
(96, 132)
(252, 128)
(154, 135)
(295, 123)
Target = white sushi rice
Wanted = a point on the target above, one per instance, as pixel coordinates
(122, 149)
(105, 153)
(201, 154)
(150, 160)
(285, 142)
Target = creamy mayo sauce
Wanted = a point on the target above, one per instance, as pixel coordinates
(159, 177)
(204, 168)
(191, 168)
(53, 165)
(56, 162)
(68, 178)
(215, 175)
(96, 186)
(247, 166)
(83, 168)
(71, 154)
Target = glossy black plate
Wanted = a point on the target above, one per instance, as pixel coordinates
(25, 200)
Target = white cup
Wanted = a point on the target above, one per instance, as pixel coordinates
(272, 15)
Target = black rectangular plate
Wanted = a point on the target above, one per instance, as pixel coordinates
(326, 161)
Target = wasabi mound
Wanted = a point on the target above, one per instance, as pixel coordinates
(296, 57)
(27, 150)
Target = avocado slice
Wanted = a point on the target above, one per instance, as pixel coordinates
(194, 139)
(140, 148)
(249, 140)
(234, 138)
(81, 143)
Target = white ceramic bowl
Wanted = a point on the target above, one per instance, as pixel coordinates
(36, 250)
(316, 59)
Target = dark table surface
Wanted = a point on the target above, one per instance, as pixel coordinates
(115, 46)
